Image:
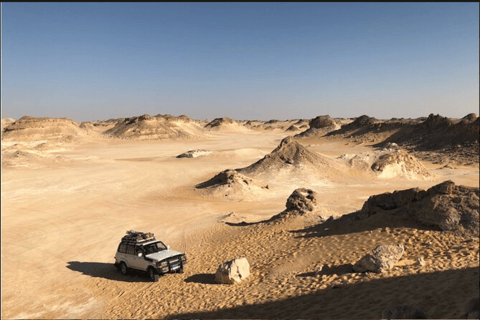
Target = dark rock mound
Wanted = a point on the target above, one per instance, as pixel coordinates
(227, 177)
(302, 200)
(217, 122)
(194, 153)
(470, 117)
(322, 122)
(319, 126)
(361, 121)
(231, 184)
(272, 121)
(292, 128)
(446, 206)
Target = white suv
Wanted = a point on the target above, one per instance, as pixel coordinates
(141, 251)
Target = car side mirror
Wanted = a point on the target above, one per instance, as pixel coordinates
(168, 247)
(139, 254)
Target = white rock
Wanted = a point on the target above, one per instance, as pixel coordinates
(233, 271)
(382, 258)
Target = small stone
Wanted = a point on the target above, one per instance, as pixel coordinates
(382, 258)
(420, 261)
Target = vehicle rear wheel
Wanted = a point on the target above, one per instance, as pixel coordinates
(123, 268)
(153, 275)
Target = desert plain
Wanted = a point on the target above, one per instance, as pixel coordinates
(71, 190)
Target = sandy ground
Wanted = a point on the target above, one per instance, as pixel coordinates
(62, 222)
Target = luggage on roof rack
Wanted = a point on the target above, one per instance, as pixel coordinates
(138, 236)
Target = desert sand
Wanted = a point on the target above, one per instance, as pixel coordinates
(71, 190)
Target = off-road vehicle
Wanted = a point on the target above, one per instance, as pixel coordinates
(142, 252)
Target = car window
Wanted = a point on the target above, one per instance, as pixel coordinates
(130, 249)
(160, 246)
(154, 247)
(122, 248)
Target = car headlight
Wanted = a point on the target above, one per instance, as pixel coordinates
(184, 258)
(162, 264)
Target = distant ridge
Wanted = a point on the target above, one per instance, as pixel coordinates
(148, 127)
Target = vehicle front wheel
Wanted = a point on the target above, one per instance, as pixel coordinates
(153, 275)
(123, 268)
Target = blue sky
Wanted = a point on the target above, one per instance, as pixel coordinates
(94, 61)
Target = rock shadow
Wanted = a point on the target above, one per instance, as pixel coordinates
(364, 300)
(205, 278)
(276, 217)
(358, 221)
(330, 270)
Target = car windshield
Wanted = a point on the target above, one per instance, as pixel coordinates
(154, 247)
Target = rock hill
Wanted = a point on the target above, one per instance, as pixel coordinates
(232, 185)
(148, 127)
(33, 128)
(292, 156)
(319, 126)
(446, 206)
(434, 138)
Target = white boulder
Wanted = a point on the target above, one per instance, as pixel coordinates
(233, 271)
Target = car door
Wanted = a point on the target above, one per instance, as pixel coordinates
(130, 256)
(142, 264)
(139, 263)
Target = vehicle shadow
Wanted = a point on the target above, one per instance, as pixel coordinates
(205, 278)
(106, 271)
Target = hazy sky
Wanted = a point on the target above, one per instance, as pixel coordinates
(94, 61)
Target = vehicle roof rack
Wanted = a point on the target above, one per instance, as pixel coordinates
(138, 237)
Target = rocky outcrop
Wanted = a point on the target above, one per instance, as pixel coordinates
(446, 206)
(302, 200)
(319, 126)
(382, 258)
(217, 122)
(194, 153)
(233, 271)
(289, 155)
(400, 163)
(147, 127)
(232, 185)
(32, 128)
